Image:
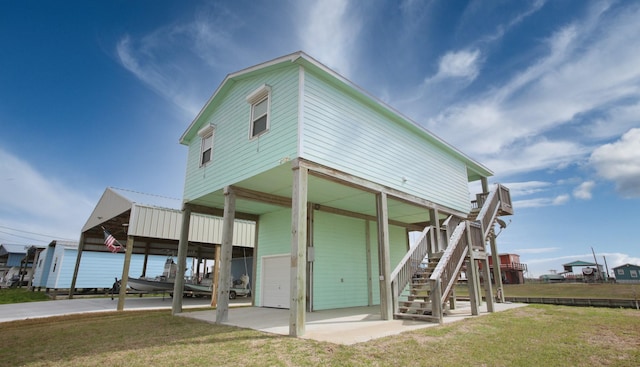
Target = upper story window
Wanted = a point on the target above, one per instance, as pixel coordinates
(260, 101)
(206, 146)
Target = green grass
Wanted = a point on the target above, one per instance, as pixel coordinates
(20, 295)
(530, 336)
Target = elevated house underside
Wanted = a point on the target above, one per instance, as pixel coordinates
(369, 224)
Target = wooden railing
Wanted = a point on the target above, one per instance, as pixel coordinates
(478, 242)
(402, 274)
(446, 272)
(505, 200)
(488, 212)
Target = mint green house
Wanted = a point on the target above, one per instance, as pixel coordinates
(337, 183)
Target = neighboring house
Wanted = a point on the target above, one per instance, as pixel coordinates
(627, 273)
(16, 263)
(511, 268)
(335, 180)
(589, 272)
(56, 263)
(148, 225)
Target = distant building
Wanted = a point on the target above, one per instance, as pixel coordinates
(627, 273)
(510, 267)
(16, 263)
(589, 271)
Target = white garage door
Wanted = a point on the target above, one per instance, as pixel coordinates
(276, 272)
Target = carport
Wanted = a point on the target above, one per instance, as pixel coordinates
(150, 225)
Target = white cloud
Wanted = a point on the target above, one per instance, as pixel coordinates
(584, 190)
(541, 202)
(27, 194)
(329, 32)
(517, 189)
(548, 95)
(620, 162)
(460, 64)
(536, 250)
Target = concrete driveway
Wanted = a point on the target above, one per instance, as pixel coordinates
(341, 326)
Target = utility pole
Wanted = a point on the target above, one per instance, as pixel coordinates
(598, 273)
(606, 267)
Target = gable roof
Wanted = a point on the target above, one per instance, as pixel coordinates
(579, 263)
(627, 266)
(474, 168)
(13, 249)
(116, 201)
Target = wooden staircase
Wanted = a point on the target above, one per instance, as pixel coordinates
(417, 306)
(422, 283)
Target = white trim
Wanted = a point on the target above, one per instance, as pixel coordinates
(206, 130)
(257, 95)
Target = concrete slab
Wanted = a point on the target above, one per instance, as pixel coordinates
(33, 310)
(341, 326)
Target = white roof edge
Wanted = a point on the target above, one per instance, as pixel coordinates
(302, 55)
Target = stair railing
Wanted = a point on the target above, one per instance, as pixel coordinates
(446, 272)
(402, 274)
(488, 213)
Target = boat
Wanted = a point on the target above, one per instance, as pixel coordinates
(143, 284)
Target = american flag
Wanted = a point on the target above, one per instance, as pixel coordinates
(112, 244)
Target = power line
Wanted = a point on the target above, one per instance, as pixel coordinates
(34, 233)
(28, 238)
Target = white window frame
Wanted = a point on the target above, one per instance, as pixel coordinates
(256, 97)
(620, 271)
(633, 273)
(205, 133)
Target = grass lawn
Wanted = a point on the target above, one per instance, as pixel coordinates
(20, 295)
(536, 335)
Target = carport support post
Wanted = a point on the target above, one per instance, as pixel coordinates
(72, 289)
(222, 311)
(297, 308)
(386, 306)
(183, 246)
(125, 273)
(216, 278)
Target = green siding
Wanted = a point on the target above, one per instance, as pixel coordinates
(274, 238)
(398, 245)
(340, 267)
(235, 156)
(345, 133)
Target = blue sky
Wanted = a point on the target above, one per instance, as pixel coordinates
(545, 93)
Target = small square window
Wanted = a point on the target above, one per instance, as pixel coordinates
(633, 273)
(620, 271)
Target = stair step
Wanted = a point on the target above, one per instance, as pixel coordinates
(419, 304)
(425, 298)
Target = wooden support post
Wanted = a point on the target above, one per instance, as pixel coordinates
(216, 278)
(386, 306)
(437, 245)
(125, 273)
(497, 273)
(436, 301)
(487, 285)
(310, 256)
(254, 265)
(146, 259)
(72, 289)
(183, 247)
(367, 237)
(222, 310)
(297, 308)
(471, 283)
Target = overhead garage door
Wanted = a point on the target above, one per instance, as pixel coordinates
(276, 272)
